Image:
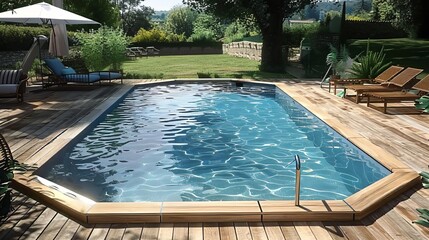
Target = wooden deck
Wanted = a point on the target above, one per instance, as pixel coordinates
(30, 126)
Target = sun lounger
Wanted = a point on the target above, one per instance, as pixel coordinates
(62, 74)
(403, 80)
(385, 76)
(399, 96)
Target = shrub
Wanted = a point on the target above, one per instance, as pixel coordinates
(13, 38)
(156, 35)
(204, 75)
(143, 76)
(103, 48)
(203, 37)
(294, 34)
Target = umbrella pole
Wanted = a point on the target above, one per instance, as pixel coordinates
(54, 40)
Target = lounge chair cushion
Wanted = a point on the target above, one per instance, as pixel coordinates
(109, 75)
(83, 78)
(6, 89)
(55, 65)
(10, 76)
(68, 70)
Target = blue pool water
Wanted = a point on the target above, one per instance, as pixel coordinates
(210, 142)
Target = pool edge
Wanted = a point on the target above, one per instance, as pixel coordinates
(352, 208)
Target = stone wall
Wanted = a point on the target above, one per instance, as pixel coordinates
(243, 49)
(8, 59)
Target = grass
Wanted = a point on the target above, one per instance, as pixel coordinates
(400, 51)
(192, 66)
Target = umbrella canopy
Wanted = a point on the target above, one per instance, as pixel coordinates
(43, 13)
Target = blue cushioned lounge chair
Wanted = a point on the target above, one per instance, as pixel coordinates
(63, 74)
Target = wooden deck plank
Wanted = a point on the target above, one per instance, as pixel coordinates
(257, 230)
(68, 230)
(116, 231)
(196, 231)
(166, 231)
(150, 231)
(289, 230)
(181, 231)
(99, 231)
(211, 231)
(319, 230)
(273, 231)
(19, 214)
(25, 222)
(83, 232)
(133, 231)
(243, 231)
(334, 230)
(54, 227)
(304, 231)
(227, 231)
(39, 224)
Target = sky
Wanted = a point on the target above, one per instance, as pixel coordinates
(162, 4)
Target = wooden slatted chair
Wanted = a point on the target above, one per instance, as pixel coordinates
(385, 76)
(403, 80)
(400, 96)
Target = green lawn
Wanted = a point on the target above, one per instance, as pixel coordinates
(401, 51)
(187, 66)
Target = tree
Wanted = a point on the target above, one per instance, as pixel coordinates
(269, 16)
(102, 11)
(12, 4)
(180, 20)
(136, 19)
(209, 23)
(410, 15)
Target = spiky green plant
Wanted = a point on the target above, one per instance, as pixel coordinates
(423, 104)
(424, 217)
(370, 65)
(339, 60)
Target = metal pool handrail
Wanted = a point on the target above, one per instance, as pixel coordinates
(297, 161)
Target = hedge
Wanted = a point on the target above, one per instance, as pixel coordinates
(177, 44)
(15, 38)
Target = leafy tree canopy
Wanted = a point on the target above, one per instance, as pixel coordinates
(268, 15)
(411, 15)
(180, 20)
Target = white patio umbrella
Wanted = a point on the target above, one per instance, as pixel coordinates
(43, 13)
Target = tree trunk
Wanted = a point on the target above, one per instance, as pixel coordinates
(272, 34)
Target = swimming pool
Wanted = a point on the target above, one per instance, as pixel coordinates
(205, 142)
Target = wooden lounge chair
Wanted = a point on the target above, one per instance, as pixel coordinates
(403, 80)
(399, 96)
(385, 76)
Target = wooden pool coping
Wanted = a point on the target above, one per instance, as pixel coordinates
(355, 207)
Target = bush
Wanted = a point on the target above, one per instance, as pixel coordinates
(294, 34)
(103, 48)
(203, 37)
(143, 76)
(15, 38)
(156, 35)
